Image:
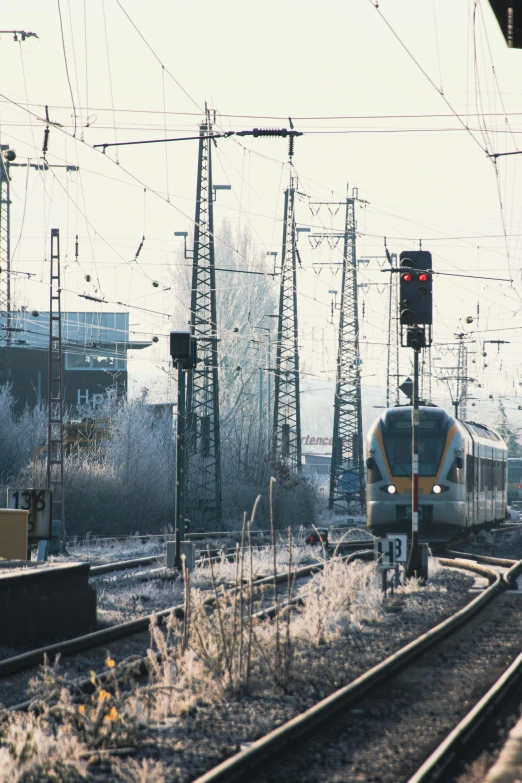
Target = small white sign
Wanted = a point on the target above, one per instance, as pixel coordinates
(384, 551)
(38, 502)
(400, 548)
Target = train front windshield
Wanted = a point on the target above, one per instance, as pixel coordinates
(396, 434)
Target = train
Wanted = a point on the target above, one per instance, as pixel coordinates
(514, 479)
(462, 475)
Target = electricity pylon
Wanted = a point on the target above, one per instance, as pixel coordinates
(5, 260)
(392, 365)
(203, 438)
(347, 469)
(461, 395)
(287, 412)
(55, 393)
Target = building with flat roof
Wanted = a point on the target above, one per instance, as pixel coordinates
(94, 349)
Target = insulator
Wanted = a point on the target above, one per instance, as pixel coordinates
(138, 251)
(155, 284)
(155, 339)
(45, 146)
(291, 142)
(270, 132)
(76, 248)
(88, 278)
(35, 313)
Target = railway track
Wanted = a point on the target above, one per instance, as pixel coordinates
(126, 639)
(384, 724)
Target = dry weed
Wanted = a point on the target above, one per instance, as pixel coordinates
(146, 771)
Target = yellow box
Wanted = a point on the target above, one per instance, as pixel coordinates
(13, 534)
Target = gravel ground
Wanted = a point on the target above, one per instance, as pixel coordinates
(209, 731)
(508, 545)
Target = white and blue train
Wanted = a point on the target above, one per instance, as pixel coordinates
(462, 474)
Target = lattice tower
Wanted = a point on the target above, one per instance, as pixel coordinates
(5, 267)
(287, 411)
(347, 469)
(203, 437)
(392, 366)
(55, 391)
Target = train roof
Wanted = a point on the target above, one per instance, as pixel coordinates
(432, 417)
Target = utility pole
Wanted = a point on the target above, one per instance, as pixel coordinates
(203, 437)
(392, 364)
(55, 393)
(347, 468)
(287, 413)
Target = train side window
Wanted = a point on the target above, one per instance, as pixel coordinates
(470, 472)
(373, 474)
(455, 473)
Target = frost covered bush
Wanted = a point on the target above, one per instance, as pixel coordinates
(19, 435)
(125, 485)
(339, 598)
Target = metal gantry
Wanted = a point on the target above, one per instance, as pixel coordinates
(55, 389)
(5, 264)
(394, 336)
(461, 395)
(347, 469)
(203, 438)
(287, 412)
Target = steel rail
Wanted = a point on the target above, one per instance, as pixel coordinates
(242, 765)
(509, 577)
(465, 733)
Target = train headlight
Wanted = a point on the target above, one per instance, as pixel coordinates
(392, 489)
(436, 489)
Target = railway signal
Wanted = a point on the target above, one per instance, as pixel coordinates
(416, 313)
(183, 353)
(416, 288)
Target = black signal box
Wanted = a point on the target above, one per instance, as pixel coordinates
(416, 288)
(183, 348)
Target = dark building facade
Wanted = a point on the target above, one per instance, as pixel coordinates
(94, 349)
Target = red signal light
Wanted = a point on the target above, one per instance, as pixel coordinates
(407, 277)
(423, 277)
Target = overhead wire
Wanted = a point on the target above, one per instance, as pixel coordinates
(67, 66)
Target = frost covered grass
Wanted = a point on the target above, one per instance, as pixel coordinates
(119, 602)
(261, 562)
(339, 598)
(95, 549)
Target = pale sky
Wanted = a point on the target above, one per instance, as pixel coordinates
(371, 118)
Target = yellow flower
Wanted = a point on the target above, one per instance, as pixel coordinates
(81, 709)
(93, 677)
(112, 715)
(103, 695)
(110, 662)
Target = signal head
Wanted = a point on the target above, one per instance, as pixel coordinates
(407, 277)
(423, 277)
